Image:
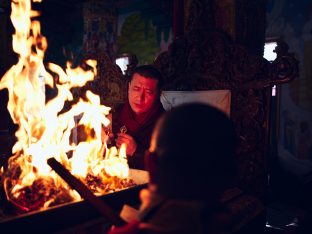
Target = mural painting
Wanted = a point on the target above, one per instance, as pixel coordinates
(144, 28)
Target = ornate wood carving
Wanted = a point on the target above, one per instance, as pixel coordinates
(110, 84)
(208, 59)
(200, 15)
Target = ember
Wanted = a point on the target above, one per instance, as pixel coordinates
(45, 128)
(111, 183)
(35, 196)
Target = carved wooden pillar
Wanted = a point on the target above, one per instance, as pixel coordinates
(178, 18)
(243, 20)
(250, 24)
(200, 15)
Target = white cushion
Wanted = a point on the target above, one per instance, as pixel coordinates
(220, 99)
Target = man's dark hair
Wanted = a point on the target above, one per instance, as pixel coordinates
(150, 72)
(195, 152)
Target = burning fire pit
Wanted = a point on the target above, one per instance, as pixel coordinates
(47, 129)
(72, 214)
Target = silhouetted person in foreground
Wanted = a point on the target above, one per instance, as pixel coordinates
(191, 162)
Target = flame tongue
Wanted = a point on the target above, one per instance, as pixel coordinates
(45, 131)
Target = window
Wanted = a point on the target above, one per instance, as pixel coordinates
(270, 55)
(122, 62)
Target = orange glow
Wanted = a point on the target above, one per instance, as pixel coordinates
(44, 131)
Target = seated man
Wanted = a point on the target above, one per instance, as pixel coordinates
(133, 123)
(191, 161)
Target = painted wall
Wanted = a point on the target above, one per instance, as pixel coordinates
(292, 21)
(144, 28)
(141, 31)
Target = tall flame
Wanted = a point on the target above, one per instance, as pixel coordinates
(44, 129)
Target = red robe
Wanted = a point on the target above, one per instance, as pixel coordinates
(140, 127)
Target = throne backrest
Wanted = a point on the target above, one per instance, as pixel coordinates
(220, 99)
(204, 60)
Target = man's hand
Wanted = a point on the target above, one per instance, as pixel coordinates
(106, 135)
(128, 140)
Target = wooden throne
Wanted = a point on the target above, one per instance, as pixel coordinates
(213, 55)
(219, 46)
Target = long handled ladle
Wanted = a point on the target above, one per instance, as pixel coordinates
(84, 192)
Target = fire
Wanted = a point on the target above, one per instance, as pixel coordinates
(46, 130)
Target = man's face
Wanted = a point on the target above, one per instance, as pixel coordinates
(142, 93)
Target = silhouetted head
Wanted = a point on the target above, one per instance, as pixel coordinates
(192, 152)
